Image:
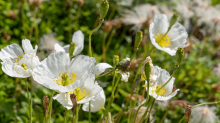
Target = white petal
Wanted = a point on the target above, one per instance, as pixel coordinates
(161, 24)
(58, 48)
(158, 97)
(97, 103)
(26, 44)
(64, 99)
(66, 48)
(124, 76)
(91, 87)
(11, 51)
(101, 67)
(58, 62)
(78, 39)
(80, 64)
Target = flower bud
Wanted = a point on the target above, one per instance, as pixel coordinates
(188, 112)
(115, 60)
(104, 9)
(138, 38)
(123, 65)
(179, 56)
(71, 49)
(73, 98)
(147, 70)
(173, 20)
(45, 102)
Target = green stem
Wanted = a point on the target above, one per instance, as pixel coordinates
(31, 103)
(50, 106)
(23, 20)
(65, 119)
(149, 111)
(103, 47)
(181, 119)
(105, 74)
(207, 103)
(77, 112)
(89, 111)
(149, 105)
(28, 99)
(90, 34)
(165, 114)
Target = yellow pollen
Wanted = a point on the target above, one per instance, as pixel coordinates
(65, 78)
(162, 91)
(163, 40)
(79, 92)
(17, 59)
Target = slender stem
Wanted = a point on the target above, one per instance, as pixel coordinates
(165, 114)
(145, 113)
(105, 73)
(207, 103)
(103, 47)
(65, 119)
(90, 34)
(45, 116)
(89, 111)
(23, 20)
(181, 119)
(28, 99)
(31, 29)
(147, 101)
(31, 103)
(50, 106)
(110, 39)
(149, 111)
(77, 112)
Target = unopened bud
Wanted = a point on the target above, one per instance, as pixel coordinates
(115, 60)
(188, 112)
(24, 66)
(71, 49)
(104, 9)
(45, 102)
(179, 56)
(73, 98)
(124, 64)
(147, 70)
(107, 27)
(138, 38)
(173, 19)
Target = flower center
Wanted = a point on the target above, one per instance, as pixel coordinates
(24, 66)
(65, 78)
(156, 88)
(163, 40)
(79, 92)
(17, 59)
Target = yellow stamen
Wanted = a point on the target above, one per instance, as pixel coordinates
(65, 78)
(79, 92)
(163, 40)
(162, 91)
(18, 59)
(24, 66)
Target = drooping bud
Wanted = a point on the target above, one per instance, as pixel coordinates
(73, 99)
(123, 65)
(188, 112)
(24, 66)
(45, 102)
(173, 20)
(71, 49)
(104, 9)
(147, 70)
(115, 60)
(138, 38)
(179, 56)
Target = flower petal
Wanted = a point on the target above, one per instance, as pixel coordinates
(58, 48)
(78, 39)
(26, 44)
(64, 99)
(97, 103)
(101, 67)
(11, 51)
(158, 97)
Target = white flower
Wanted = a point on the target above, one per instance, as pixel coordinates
(97, 103)
(139, 16)
(204, 114)
(17, 63)
(77, 39)
(101, 67)
(166, 92)
(153, 77)
(176, 37)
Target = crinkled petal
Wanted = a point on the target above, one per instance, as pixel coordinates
(101, 67)
(80, 64)
(158, 97)
(97, 103)
(91, 87)
(124, 76)
(58, 48)
(160, 24)
(78, 39)
(11, 51)
(26, 44)
(64, 99)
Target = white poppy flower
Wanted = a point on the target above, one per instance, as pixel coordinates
(166, 92)
(77, 39)
(84, 93)
(58, 73)
(153, 77)
(175, 38)
(97, 103)
(17, 63)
